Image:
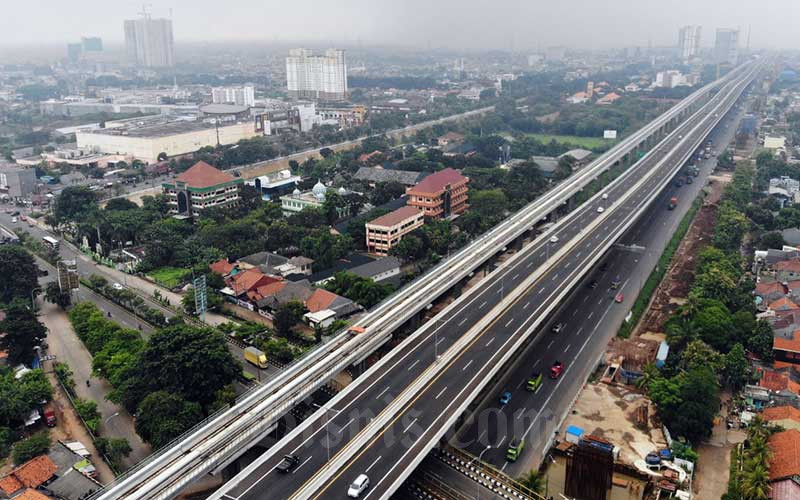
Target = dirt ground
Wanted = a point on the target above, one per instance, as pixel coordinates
(711, 477)
(674, 288)
(609, 412)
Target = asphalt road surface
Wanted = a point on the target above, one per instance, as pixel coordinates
(386, 456)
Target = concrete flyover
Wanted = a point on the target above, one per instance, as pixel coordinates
(431, 366)
(227, 434)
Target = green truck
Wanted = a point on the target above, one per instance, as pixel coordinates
(514, 449)
(534, 381)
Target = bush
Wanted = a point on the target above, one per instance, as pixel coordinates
(64, 375)
(87, 410)
(115, 449)
(36, 445)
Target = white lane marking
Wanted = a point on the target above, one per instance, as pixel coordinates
(467, 365)
(509, 322)
(346, 425)
(504, 467)
(590, 315)
(522, 412)
(441, 340)
(413, 365)
(537, 362)
(529, 264)
(585, 298)
(555, 277)
(373, 463)
(599, 302)
(515, 277)
(574, 313)
(482, 434)
(298, 467)
(409, 425)
(526, 305)
(482, 304)
(490, 341)
(441, 392)
(567, 348)
(581, 329)
(462, 321)
(578, 255)
(550, 344)
(540, 291)
(382, 392)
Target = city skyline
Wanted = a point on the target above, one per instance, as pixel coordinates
(506, 25)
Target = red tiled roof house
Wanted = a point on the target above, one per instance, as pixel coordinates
(202, 187)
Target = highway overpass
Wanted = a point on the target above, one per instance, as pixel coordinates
(227, 434)
(391, 416)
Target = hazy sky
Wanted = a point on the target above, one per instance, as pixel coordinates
(441, 23)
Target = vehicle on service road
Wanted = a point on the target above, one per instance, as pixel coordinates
(556, 369)
(49, 415)
(358, 486)
(673, 202)
(600, 210)
(615, 284)
(288, 463)
(619, 298)
(505, 398)
(554, 239)
(256, 357)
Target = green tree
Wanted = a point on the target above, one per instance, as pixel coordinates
(698, 354)
(87, 410)
(772, 239)
(183, 360)
(736, 367)
(120, 204)
(287, 316)
(410, 248)
(54, 295)
(36, 445)
(533, 480)
(363, 291)
(755, 483)
(760, 341)
(162, 416)
(19, 272)
(714, 326)
(23, 332)
(74, 204)
(115, 449)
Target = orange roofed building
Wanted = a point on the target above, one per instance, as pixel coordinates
(202, 187)
(386, 231)
(440, 195)
(31, 474)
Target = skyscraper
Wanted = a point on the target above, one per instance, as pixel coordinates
(149, 42)
(726, 47)
(92, 44)
(689, 42)
(243, 96)
(316, 77)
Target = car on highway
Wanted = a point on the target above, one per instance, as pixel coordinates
(615, 284)
(600, 210)
(619, 298)
(554, 239)
(358, 486)
(592, 284)
(288, 463)
(534, 381)
(13, 220)
(514, 450)
(605, 196)
(505, 398)
(556, 370)
(558, 327)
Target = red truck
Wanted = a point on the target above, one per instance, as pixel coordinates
(49, 415)
(673, 202)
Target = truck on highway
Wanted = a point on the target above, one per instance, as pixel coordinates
(255, 356)
(673, 202)
(514, 450)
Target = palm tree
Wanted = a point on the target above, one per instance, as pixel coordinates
(533, 480)
(755, 483)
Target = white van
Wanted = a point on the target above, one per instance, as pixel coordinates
(358, 487)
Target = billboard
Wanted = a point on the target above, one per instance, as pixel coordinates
(609, 134)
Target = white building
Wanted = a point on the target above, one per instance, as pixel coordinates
(726, 46)
(316, 77)
(147, 141)
(242, 96)
(149, 42)
(674, 78)
(307, 116)
(771, 142)
(689, 42)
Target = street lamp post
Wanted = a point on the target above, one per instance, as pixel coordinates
(478, 458)
(33, 297)
(327, 431)
(112, 416)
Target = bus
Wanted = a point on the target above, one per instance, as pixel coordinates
(50, 243)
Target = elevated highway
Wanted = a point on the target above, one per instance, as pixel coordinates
(227, 434)
(387, 420)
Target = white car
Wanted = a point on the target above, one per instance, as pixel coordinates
(117, 286)
(13, 220)
(358, 486)
(605, 196)
(600, 210)
(554, 239)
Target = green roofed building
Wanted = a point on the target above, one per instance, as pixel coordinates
(202, 187)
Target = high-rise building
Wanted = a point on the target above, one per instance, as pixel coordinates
(74, 51)
(242, 96)
(689, 42)
(92, 44)
(316, 77)
(726, 47)
(149, 42)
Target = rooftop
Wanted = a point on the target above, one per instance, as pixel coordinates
(792, 265)
(435, 183)
(781, 413)
(783, 344)
(396, 217)
(159, 129)
(203, 175)
(379, 174)
(785, 461)
(31, 474)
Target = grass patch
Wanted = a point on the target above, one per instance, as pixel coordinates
(169, 277)
(582, 142)
(660, 271)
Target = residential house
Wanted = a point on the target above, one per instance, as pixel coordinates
(791, 236)
(383, 233)
(547, 164)
(450, 138)
(379, 270)
(60, 474)
(202, 187)
(440, 195)
(780, 386)
(346, 263)
(578, 98)
(784, 461)
(580, 156)
(268, 299)
(32, 474)
(782, 304)
(278, 265)
(367, 157)
(787, 349)
(786, 416)
(784, 189)
(770, 292)
(608, 99)
(223, 267)
(239, 285)
(765, 260)
(787, 270)
(784, 323)
(784, 489)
